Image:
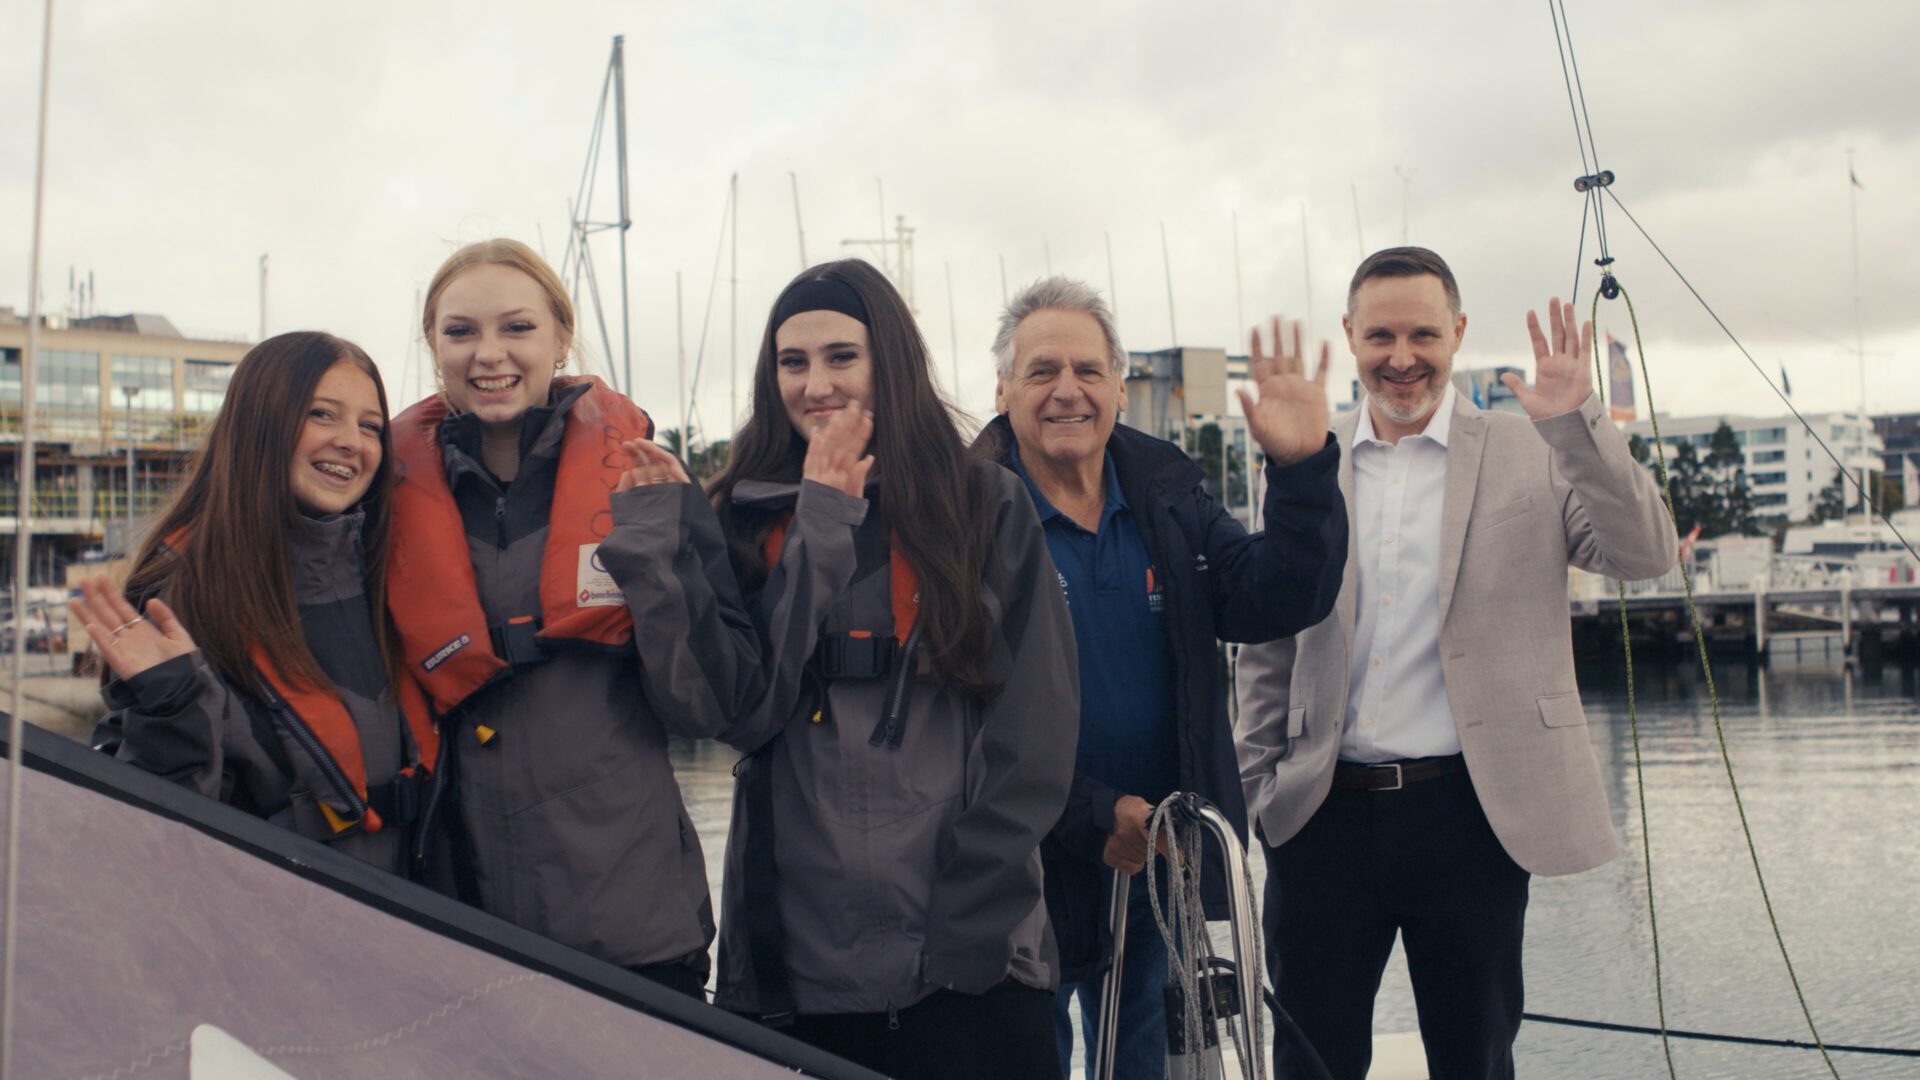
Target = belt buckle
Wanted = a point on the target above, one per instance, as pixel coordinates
(1399, 776)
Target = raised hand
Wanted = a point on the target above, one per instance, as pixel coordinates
(837, 454)
(129, 641)
(1289, 419)
(652, 464)
(1563, 375)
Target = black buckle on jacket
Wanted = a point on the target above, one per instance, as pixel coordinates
(856, 656)
(398, 801)
(514, 641)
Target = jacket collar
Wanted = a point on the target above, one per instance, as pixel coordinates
(540, 434)
(325, 557)
(1465, 441)
(1143, 463)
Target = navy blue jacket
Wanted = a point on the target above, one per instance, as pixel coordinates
(1222, 584)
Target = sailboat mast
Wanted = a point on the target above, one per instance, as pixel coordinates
(626, 219)
(733, 305)
(22, 544)
(680, 338)
(1113, 288)
(953, 334)
(1859, 341)
(799, 229)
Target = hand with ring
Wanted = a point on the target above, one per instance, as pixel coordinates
(129, 641)
(652, 464)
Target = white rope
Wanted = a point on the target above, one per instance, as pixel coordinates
(1182, 922)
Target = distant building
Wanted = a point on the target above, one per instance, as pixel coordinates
(102, 382)
(1483, 387)
(1785, 467)
(1900, 435)
(1170, 390)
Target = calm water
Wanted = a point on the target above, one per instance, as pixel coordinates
(1829, 766)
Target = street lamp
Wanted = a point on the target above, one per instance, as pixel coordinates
(131, 392)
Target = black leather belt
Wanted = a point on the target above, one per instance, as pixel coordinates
(1394, 775)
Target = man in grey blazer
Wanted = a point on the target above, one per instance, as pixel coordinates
(1412, 760)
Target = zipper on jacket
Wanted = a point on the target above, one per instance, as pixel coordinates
(891, 726)
(500, 520)
(425, 827)
(893, 1018)
(1182, 717)
(329, 768)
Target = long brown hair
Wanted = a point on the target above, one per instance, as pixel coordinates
(932, 495)
(218, 553)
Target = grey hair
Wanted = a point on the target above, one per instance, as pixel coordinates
(1056, 293)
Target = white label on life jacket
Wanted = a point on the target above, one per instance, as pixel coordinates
(596, 587)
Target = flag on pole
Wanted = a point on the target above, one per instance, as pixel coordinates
(1786, 385)
(1686, 544)
(1855, 178)
(1620, 381)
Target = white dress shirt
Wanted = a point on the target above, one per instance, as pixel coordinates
(1396, 692)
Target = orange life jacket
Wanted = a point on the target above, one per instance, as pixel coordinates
(327, 717)
(902, 584)
(444, 634)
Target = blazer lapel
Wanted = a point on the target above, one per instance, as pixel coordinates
(1345, 607)
(1465, 441)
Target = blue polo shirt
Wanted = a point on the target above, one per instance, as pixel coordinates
(1128, 736)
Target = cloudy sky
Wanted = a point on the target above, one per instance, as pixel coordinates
(358, 143)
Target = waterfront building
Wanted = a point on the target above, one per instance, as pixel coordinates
(1483, 387)
(1785, 467)
(1900, 437)
(120, 402)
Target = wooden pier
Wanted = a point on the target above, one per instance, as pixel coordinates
(1873, 611)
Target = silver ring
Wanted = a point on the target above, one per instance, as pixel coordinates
(130, 622)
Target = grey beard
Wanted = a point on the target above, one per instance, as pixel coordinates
(1401, 415)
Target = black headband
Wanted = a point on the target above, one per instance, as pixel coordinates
(819, 294)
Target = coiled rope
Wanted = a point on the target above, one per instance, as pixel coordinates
(1182, 922)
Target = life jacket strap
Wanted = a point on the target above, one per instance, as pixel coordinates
(400, 801)
(516, 641)
(856, 654)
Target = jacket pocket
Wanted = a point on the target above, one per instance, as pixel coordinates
(1506, 512)
(1296, 721)
(1562, 710)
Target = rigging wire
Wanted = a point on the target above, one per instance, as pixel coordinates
(1593, 184)
(1713, 698)
(1764, 377)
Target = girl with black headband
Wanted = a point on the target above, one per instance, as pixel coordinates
(883, 891)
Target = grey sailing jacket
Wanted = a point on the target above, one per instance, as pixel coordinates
(569, 821)
(909, 866)
(182, 721)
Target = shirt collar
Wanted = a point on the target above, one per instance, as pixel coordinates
(1116, 499)
(1438, 428)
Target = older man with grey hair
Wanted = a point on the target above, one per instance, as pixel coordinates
(1156, 572)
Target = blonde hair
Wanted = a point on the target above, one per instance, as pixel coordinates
(500, 252)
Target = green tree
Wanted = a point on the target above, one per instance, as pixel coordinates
(704, 462)
(1204, 447)
(1893, 493)
(1832, 503)
(1734, 498)
(1711, 491)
